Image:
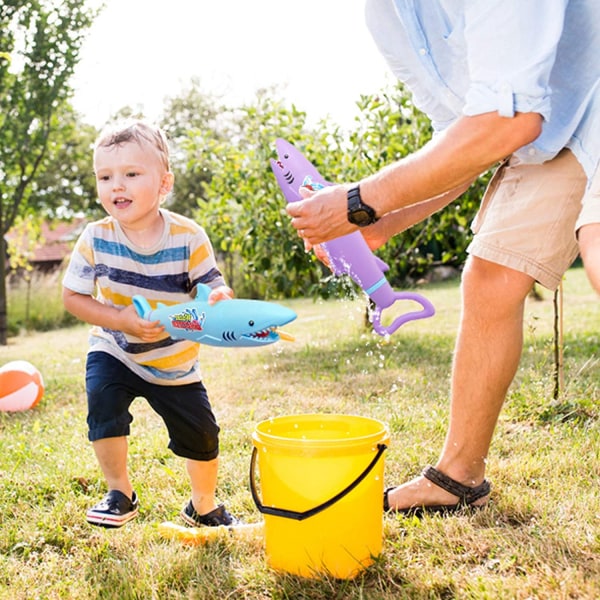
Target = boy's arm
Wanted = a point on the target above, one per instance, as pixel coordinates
(88, 309)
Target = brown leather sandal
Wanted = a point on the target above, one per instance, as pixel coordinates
(466, 495)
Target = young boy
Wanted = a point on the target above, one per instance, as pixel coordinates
(141, 248)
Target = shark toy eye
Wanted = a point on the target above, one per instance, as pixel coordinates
(286, 156)
(251, 323)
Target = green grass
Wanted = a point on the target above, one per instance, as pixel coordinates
(35, 304)
(539, 538)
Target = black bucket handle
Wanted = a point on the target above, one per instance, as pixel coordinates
(311, 512)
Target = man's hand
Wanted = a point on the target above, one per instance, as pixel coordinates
(322, 215)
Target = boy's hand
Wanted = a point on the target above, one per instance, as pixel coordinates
(133, 324)
(222, 292)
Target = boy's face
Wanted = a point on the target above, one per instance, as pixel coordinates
(131, 181)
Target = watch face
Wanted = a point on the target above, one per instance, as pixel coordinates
(361, 217)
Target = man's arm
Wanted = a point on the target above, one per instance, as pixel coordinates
(402, 219)
(448, 162)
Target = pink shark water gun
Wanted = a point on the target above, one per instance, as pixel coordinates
(349, 254)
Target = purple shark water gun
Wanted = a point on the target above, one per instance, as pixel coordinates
(230, 323)
(348, 254)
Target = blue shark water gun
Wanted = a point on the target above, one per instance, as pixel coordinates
(230, 323)
(348, 254)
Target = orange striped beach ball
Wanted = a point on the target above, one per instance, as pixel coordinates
(21, 386)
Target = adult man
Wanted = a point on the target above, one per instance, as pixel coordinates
(501, 80)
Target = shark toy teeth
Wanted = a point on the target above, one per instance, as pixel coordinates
(229, 323)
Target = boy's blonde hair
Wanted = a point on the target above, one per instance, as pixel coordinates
(137, 131)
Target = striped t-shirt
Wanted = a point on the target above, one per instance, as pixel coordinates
(106, 264)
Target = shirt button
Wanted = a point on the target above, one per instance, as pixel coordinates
(531, 151)
(422, 51)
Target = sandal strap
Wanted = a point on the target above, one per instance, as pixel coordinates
(466, 495)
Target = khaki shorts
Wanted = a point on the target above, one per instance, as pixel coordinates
(529, 214)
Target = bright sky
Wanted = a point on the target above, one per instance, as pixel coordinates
(140, 51)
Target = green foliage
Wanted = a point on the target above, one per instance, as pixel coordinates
(44, 43)
(43, 40)
(244, 211)
(59, 192)
(190, 112)
(26, 234)
(35, 304)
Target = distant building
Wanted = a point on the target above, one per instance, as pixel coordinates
(56, 243)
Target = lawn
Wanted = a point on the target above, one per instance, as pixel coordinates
(538, 538)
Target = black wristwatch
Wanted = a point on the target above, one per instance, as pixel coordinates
(359, 213)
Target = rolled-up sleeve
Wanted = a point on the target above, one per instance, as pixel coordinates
(511, 49)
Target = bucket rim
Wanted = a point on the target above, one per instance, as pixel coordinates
(263, 437)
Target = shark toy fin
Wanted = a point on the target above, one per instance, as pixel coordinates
(202, 292)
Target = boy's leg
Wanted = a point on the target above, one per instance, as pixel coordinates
(203, 478)
(194, 435)
(202, 509)
(109, 395)
(111, 454)
(120, 504)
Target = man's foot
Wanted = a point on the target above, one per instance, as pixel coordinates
(114, 510)
(435, 492)
(216, 517)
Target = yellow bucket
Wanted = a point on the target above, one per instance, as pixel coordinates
(321, 479)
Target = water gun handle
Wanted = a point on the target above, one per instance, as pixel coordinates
(142, 306)
(428, 311)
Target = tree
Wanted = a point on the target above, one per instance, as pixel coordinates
(42, 40)
(244, 211)
(63, 193)
(191, 114)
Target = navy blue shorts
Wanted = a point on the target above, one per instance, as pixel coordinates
(111, 388)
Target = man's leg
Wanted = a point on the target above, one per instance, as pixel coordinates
(486, 358)
(589, 247)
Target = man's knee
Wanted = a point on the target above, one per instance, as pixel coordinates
(487, 283)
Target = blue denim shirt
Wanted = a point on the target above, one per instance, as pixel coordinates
(468, 57)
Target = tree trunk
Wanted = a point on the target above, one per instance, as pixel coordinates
(3, 293)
